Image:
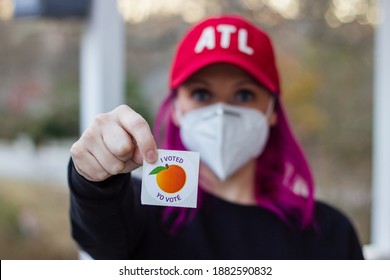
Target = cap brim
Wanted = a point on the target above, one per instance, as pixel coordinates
(206, 60)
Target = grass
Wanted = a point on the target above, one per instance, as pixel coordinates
(34, 222)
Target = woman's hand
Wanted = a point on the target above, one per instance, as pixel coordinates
(116, 142)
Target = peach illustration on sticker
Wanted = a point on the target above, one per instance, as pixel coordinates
(172, 180)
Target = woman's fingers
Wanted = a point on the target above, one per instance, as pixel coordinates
(139, 129)
(116, 142)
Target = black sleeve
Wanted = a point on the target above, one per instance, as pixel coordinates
(355, 247)
(338, 238)
(105, 216)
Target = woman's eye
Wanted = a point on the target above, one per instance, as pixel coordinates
(244, 96)
(201, 95)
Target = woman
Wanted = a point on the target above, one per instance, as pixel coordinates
(255, 187)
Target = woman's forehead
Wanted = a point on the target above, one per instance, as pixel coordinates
(225, 72)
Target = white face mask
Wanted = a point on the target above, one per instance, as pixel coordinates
(226, 136)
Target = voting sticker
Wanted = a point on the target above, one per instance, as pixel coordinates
(172, 180)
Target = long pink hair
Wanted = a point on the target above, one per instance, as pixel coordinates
(283, 183)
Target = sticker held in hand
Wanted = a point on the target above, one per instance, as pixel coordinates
(172, 180)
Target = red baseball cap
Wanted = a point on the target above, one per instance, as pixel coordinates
(228, 39)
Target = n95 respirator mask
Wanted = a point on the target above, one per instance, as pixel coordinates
(226, 136)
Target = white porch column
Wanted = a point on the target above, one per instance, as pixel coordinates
(380, 231)
(102, 69)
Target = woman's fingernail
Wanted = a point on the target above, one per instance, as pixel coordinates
(151, 156)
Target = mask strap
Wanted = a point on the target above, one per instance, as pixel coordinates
(270, 108)
(178, 111)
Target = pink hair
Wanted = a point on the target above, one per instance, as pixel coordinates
(280, 168)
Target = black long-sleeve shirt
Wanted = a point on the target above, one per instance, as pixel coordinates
(109, 222)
